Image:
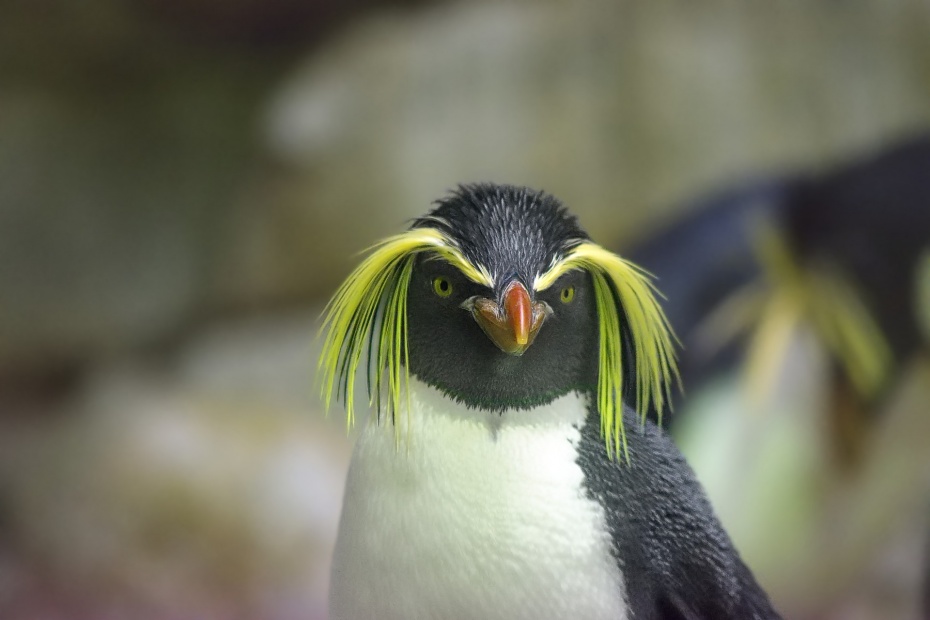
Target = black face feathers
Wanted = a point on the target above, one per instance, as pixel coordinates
(449, 351)
(513, 231)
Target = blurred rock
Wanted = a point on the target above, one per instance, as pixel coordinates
(120, 152)
(618, 109)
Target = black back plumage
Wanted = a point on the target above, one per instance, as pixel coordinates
(872, 219)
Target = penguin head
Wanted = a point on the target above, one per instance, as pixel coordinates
(502, 342)
(499, 299)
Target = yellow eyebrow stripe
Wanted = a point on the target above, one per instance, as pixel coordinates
(619, 283)
(377, 290)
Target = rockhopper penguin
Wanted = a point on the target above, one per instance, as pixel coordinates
(507, 471)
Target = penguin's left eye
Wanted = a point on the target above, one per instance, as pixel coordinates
(442, 286)
(567, 294)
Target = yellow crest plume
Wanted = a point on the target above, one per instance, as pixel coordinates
(828, 299)
(621, 284)
(377, 292)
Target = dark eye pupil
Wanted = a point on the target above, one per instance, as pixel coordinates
(442, 286)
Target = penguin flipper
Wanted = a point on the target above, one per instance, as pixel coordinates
(677, 561)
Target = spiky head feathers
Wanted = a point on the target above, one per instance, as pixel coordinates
(484, 240)
(509, 231)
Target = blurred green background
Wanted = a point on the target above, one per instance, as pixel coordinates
(184, 182)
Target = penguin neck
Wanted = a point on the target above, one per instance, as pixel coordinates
(431, 407)
(438, 432)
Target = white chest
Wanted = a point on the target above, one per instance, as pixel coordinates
(478, 515)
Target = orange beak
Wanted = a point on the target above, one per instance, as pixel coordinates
(513, 327)
(519, 312)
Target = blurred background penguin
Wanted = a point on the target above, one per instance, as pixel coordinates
(842, 253)
(813, 282)
(184, 183)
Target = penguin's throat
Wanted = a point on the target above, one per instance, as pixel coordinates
(429, 405)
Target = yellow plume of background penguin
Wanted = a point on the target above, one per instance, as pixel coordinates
(507, 471)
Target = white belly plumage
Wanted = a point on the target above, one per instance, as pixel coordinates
(473, 515)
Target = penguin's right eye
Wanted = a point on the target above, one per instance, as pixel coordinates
(442, 286)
